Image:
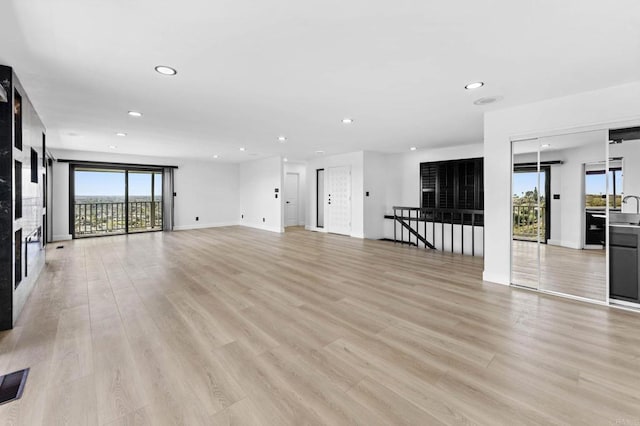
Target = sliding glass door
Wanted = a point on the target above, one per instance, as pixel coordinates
(108, 201)
(145, 201)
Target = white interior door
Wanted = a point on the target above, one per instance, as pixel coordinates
(338, 191)
(291, 183)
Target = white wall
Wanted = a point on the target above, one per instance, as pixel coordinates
(205, 189)
(612, 107)
(59, 202)
(209, 191)
(301, 170)
(258, 204)
(355, 160)
(375, 168)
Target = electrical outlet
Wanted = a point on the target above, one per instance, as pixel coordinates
(241, 216)
(263, 219)
(197, 218)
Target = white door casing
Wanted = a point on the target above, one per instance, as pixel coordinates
(338, 200)
(291, 190)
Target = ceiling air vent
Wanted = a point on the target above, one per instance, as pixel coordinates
(487, 100)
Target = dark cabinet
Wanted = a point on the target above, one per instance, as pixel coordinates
(624, 262)
(595, 228)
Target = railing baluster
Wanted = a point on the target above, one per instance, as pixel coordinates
(395, 225)
(424, 216)
(452, 220)
(462, 232)
(473, 234)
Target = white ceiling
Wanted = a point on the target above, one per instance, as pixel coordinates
(249, 71)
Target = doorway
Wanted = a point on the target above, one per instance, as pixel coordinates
(291, 199)
(114, 201)
(338, 217)
(528, 202)
(320, 198)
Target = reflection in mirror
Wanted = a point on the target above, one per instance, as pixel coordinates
(572, 249)
(624, 218)
(527, 212)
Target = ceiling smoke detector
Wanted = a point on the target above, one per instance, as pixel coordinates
(487, 100)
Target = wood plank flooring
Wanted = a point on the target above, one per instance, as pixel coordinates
(580, 273)
(238, 326)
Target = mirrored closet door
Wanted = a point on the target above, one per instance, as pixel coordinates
(527, 213)
(560, 188)
(573, 257)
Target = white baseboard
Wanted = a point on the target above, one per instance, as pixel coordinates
(263, 227)
(571, 245)
(65, 237)
(203, 226)
(495, 279)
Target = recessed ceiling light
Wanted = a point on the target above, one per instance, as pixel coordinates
(215, 156)
(476, 85)
(242, 149)
(546, 145)
(488, 100)
(285, 159)
(347, 120)
(73, 134)
(165, 70)
(112, 146)
(121, 134)
(282, 138)
(135, 114)
(319, 152)
(413, 148)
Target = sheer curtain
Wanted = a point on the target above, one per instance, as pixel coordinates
(167, 199)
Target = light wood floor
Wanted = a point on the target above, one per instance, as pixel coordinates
(576, 272)
(238, 326)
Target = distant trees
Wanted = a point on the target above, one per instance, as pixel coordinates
(525, 214)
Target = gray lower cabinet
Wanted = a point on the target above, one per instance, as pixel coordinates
(624, 262)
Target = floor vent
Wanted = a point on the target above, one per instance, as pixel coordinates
(12, 385)
(59, 247)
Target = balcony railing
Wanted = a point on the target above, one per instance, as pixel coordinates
(454, 230)
(525, 221)
(93, 219)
